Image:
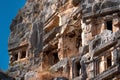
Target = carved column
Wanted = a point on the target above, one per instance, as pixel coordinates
(114, 56)
(86, 33)
(11, 59)
(102, 25)
(102, 64)
(19, 54)
(27, 54)
(61, 48)
(91, 70)
(116, 23)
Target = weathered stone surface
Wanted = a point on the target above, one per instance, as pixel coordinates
(66, 40)
(60, 78)
(30, 75)
(99, 7)
(4, 76)
(51, 35)
(61, 64)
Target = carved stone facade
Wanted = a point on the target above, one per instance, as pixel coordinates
(66, 40)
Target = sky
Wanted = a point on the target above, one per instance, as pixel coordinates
(8, 11)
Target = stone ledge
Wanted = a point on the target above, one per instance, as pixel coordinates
(112, 71)
(102, 12)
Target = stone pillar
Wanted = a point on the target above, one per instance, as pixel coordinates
(11, 59)
(103, 27)
(19, 55)
(91, 70)
(116, 24)
(114, 56)
(60, 20)
(86, 33)
(27, 54)
(73, 68)
(102, 64)
(61, 48)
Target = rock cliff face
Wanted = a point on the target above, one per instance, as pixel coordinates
(66, 40)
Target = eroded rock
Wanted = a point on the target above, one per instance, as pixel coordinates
(66, 40)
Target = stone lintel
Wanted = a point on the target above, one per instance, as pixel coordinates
(49, 20)
(104, 47)
(18, 47)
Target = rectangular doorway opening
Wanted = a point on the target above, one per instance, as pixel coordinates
(109, 61)
(109, 24)
(23, 54)
(77, 69)
(16, 57)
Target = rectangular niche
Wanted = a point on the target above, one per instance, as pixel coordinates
(23, 54)
(16, 57)
(76, 68)
(109, 24)
(109, 61)
(18, 54)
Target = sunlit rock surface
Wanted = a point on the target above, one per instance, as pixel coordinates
(66, 40)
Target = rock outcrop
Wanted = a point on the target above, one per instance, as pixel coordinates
(66, 40)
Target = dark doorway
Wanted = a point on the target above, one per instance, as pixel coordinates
(16, 57)
(77, 68)
(109, 61)
(109, 25)
(56, 59)
(23, 54)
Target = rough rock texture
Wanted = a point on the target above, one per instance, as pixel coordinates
(66, 40)
(4, 76)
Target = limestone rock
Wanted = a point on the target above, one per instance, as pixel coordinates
(66, 40)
